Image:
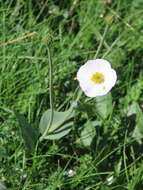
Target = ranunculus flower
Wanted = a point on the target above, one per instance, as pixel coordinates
(96, 77)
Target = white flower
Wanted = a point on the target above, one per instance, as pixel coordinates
(96, 77)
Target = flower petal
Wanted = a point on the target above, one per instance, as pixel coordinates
(88, 69)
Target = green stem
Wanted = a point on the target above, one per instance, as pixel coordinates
(50, 95)
(101, 42)
(78, 95)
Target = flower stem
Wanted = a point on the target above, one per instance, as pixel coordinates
(101, 42)
(50, 94)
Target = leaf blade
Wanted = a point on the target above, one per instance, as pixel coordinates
(103, 105)
(60, 132)
(58, 119)
(29, 134)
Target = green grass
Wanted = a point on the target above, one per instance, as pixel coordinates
(74, 30)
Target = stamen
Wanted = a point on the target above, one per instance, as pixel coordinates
(97, 78)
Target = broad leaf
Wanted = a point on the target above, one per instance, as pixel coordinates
(137, 135)
(2, 186)
(132, 109)
(138, 131)
(29, 133)
(58, 120)
(88, 132)
(60, 132)
(139, 119)
(104, 105)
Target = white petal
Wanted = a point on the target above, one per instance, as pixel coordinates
(96, 90)
(97, 65)
(93, 90)
(88, 69)
(84, 73)
(92, 66)
(110, 78)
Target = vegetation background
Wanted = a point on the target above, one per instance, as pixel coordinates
(74, 29)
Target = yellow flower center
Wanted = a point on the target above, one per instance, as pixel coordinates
(97, 78)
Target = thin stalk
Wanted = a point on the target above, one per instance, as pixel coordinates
(50, 94)
(78, 95)
(101, 42)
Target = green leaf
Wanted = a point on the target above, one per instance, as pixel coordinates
(139, 119)
(3, 152)
(2, 186)
(104, 105)
(137, 135)
(138, 131)
(88, 132)
(117, 166)
(134, 108)
(29, 133)
(60, 132)
(58, 119)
